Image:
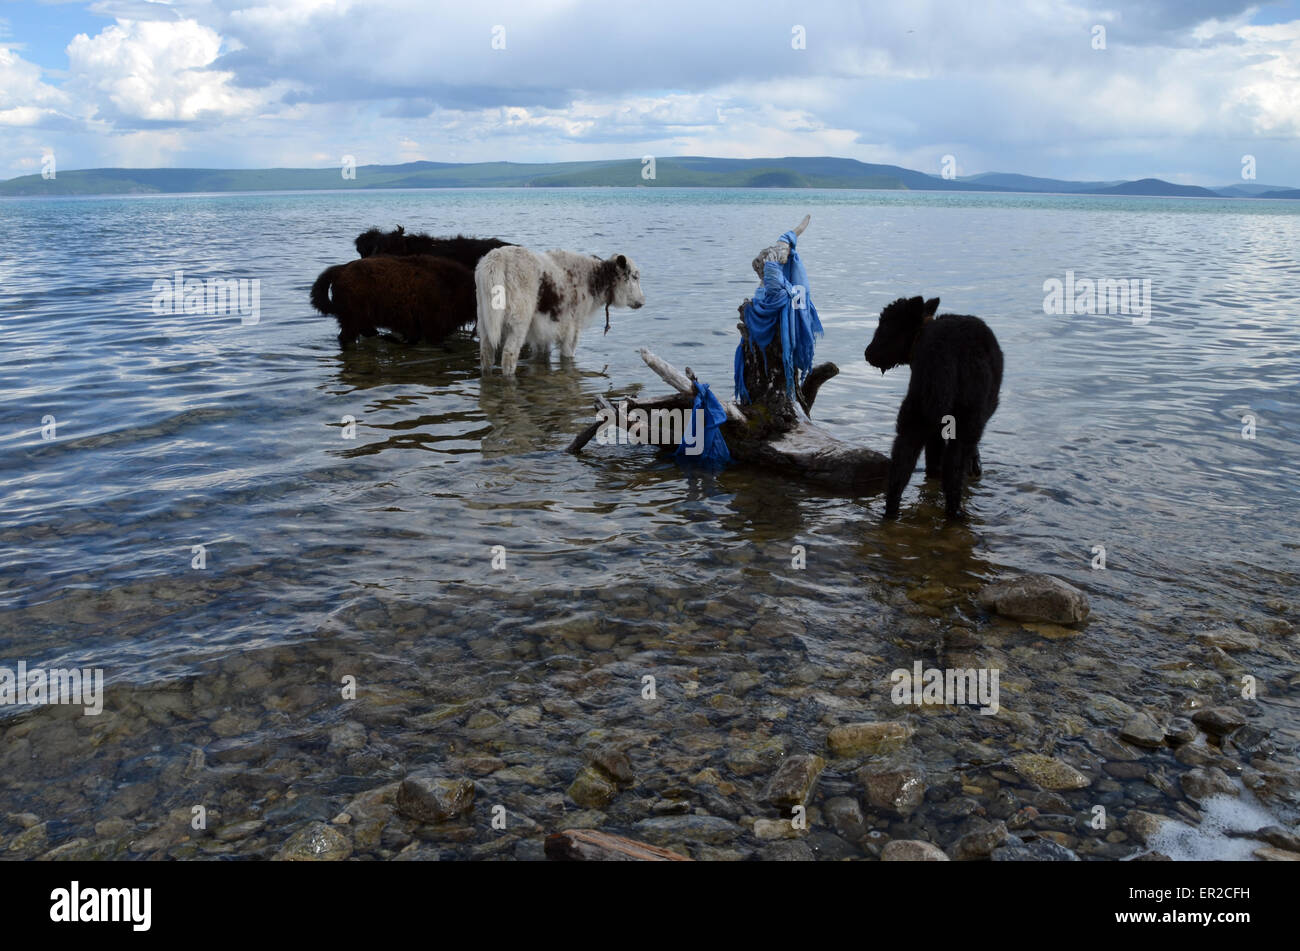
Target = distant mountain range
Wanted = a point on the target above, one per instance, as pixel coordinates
(668, 172)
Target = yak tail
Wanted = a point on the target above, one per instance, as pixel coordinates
(491, 272)
(320, 291)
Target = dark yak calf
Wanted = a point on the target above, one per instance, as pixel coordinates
(956, 374)
(417, 297)
(466, 251)
(462, 250)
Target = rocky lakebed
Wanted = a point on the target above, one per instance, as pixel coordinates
(720, 734)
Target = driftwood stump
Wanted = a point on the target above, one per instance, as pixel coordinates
(590, 845)
(764, 372)
(773, 429)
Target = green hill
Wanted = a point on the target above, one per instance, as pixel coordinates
(670, 172)
(796, 172)
(1031, 183)
(1155, 186)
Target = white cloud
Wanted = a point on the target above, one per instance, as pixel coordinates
(1268, 90)
(156, 70)
(1008, 86)
(25, 98)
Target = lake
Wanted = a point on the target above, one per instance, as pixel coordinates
(281, 555)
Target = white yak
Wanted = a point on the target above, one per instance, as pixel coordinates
(545, 298)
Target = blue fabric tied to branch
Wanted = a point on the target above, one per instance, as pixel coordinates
(774, 309)
(715, 452)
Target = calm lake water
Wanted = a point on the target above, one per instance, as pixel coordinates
(328, 558)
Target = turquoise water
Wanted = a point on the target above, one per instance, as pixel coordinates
(175, 430)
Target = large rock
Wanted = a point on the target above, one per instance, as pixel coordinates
(1279, 838)
(1219, 721)
(235, 831)
(30, 842)
(84, 850)
(912, 850)
(1144, 826)
(1179, 731)
(1039, 850)
(759, 753)
(663, 830)
(980, 843)
(1048, 772)
(896, 791)
(1143, 730)
(852, 739)
(768, 829)
(1036, 598)
(316, 842)
(367, 815)
(788, 852)
(434, 798)
(1229, 639)
(1206, 782)
(1109, 748)
(792, 784)
(592, 789)
(614, 763)
(1252, 740)
(844, 813)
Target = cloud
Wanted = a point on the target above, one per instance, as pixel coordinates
(25, 99)
(156, 71)
(1014, 85)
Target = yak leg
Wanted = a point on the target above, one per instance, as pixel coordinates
(569, 342)
(954, 475)
(934, 448)
(907, 449)
(513, 330)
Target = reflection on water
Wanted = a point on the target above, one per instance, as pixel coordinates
(349, 504)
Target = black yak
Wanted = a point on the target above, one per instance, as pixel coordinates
(462, 250)
(467, 251)
(956, 375)
(417, 297)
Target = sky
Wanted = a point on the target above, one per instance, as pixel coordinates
(1175, 89)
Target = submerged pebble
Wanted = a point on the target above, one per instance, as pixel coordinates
(434, 798)
(1036, 597)
(871, 738)
(912, 850)
(1049, 772)
(316, 842)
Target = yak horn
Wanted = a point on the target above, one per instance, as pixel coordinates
(798, 230)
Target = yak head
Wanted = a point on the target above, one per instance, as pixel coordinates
(374, 242)
(617, 282)
(900, 322)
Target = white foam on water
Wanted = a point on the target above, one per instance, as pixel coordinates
(1210, 840)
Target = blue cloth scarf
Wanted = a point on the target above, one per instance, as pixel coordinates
(715, 451)
(772, 309)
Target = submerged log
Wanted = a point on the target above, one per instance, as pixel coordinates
(800, 448)
(809, 452)
(609, 412)
(773, 428)
(813, 382)
(589, 845)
